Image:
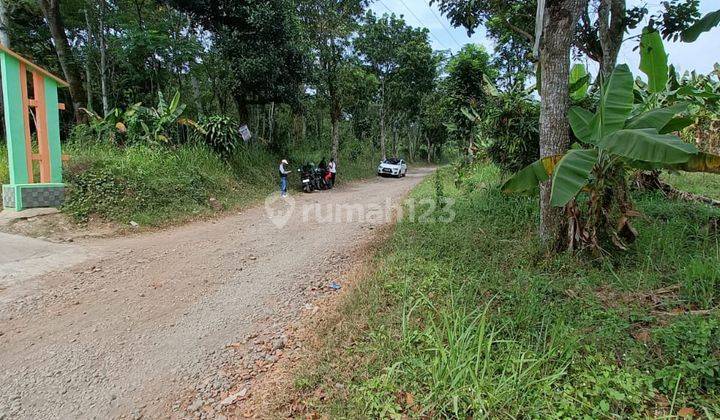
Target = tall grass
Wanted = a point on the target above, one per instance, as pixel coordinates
(151, 185)
(471, 319)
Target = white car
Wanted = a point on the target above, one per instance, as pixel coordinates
(392, 166)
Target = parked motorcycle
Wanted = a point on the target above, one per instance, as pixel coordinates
(313, 178)
(322, 176)
(307, 178)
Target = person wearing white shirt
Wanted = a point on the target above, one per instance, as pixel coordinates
(332, 167)
(283, 177)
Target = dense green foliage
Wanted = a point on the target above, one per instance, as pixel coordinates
(138, 124)
(259, 43)
(470, 319)
(406, 68)
(219, 132)
(466, 87)
(511, 126)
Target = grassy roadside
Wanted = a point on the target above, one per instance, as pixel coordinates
(470, 319)
(159, 186)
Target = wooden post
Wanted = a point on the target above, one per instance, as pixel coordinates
(42, 126)
(26, 122)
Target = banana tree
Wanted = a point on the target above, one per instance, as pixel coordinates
(161, 119)
(614, 141)
(664, 86)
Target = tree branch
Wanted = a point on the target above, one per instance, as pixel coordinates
(525, 34)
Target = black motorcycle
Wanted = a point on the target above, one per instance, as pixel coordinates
(312, 178)
(307, 178)
(322, 178)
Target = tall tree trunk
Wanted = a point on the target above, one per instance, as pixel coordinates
(395, 139)
(382, 119)
(295, 138)
(335, 138)
(271, 123)
(88, 69)
(88, 85)
(427, 139)
(331, 68)
(611, 29)
(4, 21)
(196, 94)
(103, 58)
(303, 134)
(256, 116)
(559, 25)
(264, 124)
(51, 11)
(318, 126)
(335, 114)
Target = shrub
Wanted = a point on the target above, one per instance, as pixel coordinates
(220, 132)
(512, 126)
(94, 189)
(688, 355)
(599, 389)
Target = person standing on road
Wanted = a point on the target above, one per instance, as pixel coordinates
(332, 167)
(283, 177)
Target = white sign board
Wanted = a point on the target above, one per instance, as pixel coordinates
(245, 133)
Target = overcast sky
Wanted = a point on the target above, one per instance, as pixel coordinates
(700, 55)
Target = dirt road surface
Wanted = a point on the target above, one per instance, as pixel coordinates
(123, 333)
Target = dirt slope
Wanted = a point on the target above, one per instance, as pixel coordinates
(124, 333)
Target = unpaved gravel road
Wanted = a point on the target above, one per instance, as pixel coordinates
(124, 333)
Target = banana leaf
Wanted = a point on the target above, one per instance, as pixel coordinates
(490, 87)
(580, 121)
(571, 175)
(686, 90)
(653, 60)
(616, 102)
(677, 124)
(528, 178)
(579, 82)
(701, 162)
(657, 118)
(649, 146)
